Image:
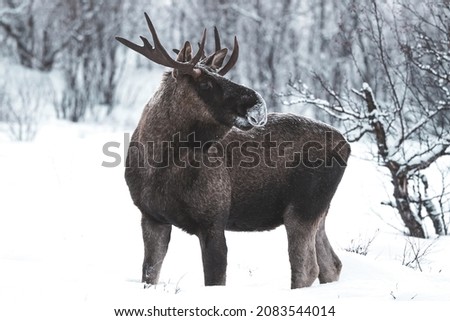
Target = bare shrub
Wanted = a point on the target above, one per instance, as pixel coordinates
(24, 94)
(22, 116)
(415, 252)
(361, 244)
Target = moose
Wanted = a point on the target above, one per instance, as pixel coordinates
(284, 168)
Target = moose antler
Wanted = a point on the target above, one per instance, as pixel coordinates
(159, 54)
(233, 58)
(217, 39)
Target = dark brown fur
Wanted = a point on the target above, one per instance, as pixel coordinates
(238, 193)
(207, 201)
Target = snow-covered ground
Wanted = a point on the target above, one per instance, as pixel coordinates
(70, 243)
(71, 249)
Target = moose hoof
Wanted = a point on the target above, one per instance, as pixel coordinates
(305, 278)
(331, 273)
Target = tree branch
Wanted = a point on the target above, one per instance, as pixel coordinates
(425, 163)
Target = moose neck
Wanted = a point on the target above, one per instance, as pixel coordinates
(177, 115)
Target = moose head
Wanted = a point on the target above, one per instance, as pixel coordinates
(228, 103)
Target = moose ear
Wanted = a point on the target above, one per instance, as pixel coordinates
(218, 58)
(184, 55)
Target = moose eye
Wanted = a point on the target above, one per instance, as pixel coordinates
(206, 85)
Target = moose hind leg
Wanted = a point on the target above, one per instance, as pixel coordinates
(214, 256)
(156, 241)
(302, 250)
(329, 264)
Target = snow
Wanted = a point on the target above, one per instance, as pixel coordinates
(365, 86)
(71, 244)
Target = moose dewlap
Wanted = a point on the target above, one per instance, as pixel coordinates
(207, 157)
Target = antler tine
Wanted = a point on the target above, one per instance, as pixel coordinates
(203, 53)
(233, 59)
(217, 39)
(159, 54)
(200, 51)
(187, 67)
(132, 45)
(159, 49)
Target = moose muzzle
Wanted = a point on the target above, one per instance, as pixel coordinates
(257, 115)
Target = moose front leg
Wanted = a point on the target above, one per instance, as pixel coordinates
(214, 256)
(156, 241)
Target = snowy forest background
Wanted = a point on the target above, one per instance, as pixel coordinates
(326, 59)
(379, 70)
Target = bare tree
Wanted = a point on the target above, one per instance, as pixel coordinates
(406, 124)
(90, 62)
(38, 30)
(75, 36)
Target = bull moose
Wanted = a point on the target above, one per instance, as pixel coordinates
(280, 168)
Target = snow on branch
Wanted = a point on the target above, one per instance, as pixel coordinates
(341, 110)
(251, 15)
(423, 160)
(421, 123)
